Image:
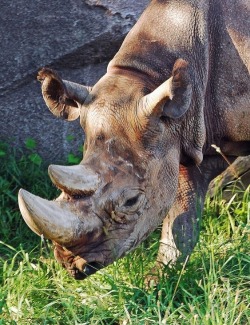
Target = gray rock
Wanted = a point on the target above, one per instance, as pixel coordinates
(77, 38)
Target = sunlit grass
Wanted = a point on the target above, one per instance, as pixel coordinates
(212, 288)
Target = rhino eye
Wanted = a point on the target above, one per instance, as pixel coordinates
(132, 201)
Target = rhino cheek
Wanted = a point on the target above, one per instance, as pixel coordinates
(158, 204)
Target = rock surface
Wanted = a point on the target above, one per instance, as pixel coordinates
(76, 37)
(234, 180)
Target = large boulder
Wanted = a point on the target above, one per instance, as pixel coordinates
(77, 38)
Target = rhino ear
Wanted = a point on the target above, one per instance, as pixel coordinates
(181, 91)
(173, 97)
(62, 97)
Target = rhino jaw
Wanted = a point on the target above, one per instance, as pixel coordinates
(54, 219)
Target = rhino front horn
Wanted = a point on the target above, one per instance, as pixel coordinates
(54, 219)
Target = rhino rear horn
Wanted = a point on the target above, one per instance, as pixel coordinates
(62, 97)
(173, 97)
(76, 179)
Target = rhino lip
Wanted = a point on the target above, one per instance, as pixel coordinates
(92, 268)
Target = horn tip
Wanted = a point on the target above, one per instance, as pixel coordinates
(24, 198)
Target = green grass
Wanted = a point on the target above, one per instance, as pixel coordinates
(212, 288)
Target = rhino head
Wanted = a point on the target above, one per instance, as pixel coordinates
(127, 180)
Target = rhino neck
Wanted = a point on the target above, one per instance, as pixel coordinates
(228, 87)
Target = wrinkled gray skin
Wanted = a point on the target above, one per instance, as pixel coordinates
(179, 83)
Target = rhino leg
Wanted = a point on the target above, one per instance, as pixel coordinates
(180, 230)
(180, 233)
(181, 227)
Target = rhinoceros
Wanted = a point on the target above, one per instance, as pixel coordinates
(178, 88)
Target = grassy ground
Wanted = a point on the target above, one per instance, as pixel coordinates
(213, 287)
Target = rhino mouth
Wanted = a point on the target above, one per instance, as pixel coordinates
(89, 269)
(76, 266)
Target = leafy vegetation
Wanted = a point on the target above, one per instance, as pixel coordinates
(211, 288)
